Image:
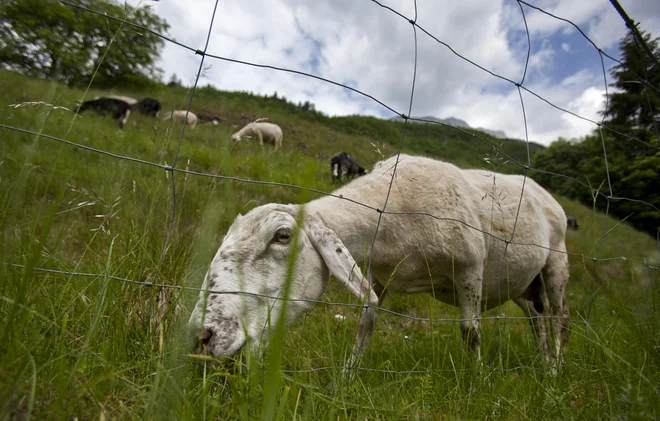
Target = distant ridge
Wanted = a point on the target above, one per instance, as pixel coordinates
(455, 122)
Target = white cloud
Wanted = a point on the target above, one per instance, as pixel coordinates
(372, 49)
(544, 122)
(608, 28)
(581, 78)
(587, 105)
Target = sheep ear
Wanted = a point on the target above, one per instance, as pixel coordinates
(338, 259)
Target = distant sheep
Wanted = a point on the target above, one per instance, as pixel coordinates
(180, 115)
(572, 223)
(148, 106)
(438, 236)
(118, 109)
(342, 164)
(266, 132)
(126, 99)
(208, 118)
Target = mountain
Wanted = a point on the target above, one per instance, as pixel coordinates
(455, 122)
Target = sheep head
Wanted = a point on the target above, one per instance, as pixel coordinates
(244, 133)
(238, 301)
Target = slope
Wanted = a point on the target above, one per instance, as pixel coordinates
(93, 346)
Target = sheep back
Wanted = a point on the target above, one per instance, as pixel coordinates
(469, 207)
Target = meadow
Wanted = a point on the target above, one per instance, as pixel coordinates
(99, 347)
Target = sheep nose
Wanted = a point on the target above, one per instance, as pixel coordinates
(206, 337)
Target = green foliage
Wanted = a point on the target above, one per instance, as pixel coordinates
(630, 178)
(566, 158)
(634, 106)
(44, 38)
(174, 81)
(466, 148)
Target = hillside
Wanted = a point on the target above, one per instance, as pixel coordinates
(314, 134)
(458, 146)
(93, 346)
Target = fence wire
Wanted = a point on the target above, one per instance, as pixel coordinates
(172, 170)
(322, 302)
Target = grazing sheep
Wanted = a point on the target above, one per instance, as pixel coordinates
(343, 164)
(126, 99)
(447, 256)
(118, 109)
(266, 132)
(148, 106)
(208, 118)
(572, 223)
(180, 115)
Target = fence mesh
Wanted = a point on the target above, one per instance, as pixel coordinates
(526, 167)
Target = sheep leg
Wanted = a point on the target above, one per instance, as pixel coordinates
(124, 119)
(534, 303)
(469, 298)
(366, 327)
(537, 324)
(555, 275)
(344, 173)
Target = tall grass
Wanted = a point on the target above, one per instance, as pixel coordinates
(95, 347)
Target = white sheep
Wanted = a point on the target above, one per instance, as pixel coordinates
(451, 256)
(180, 115)
(266, 132)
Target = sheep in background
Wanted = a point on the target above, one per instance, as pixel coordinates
(118, 109)
(126, 99)
(453, 249)
(180, 115)
(572, 223)
(148, 106)
(266, 132)
(343, 164)
(208, 118)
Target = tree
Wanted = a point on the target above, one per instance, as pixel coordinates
(174, 81)
(562, 157)
(633, 167)
(47, 39)
(634, 108)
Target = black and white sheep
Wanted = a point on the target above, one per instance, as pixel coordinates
(437, 236)
(148, 106)
(126, 99)
(343, 164)
(118, 109)
(208, 118)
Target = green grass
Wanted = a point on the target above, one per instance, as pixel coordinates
(94, 347)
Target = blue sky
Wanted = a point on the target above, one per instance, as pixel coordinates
(359, 42)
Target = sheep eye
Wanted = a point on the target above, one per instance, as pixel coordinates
(283, 236)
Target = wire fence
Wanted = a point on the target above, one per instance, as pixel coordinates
(416, 30)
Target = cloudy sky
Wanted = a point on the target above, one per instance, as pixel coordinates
(365, 46)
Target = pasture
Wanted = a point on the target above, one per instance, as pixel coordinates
(99, 347)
